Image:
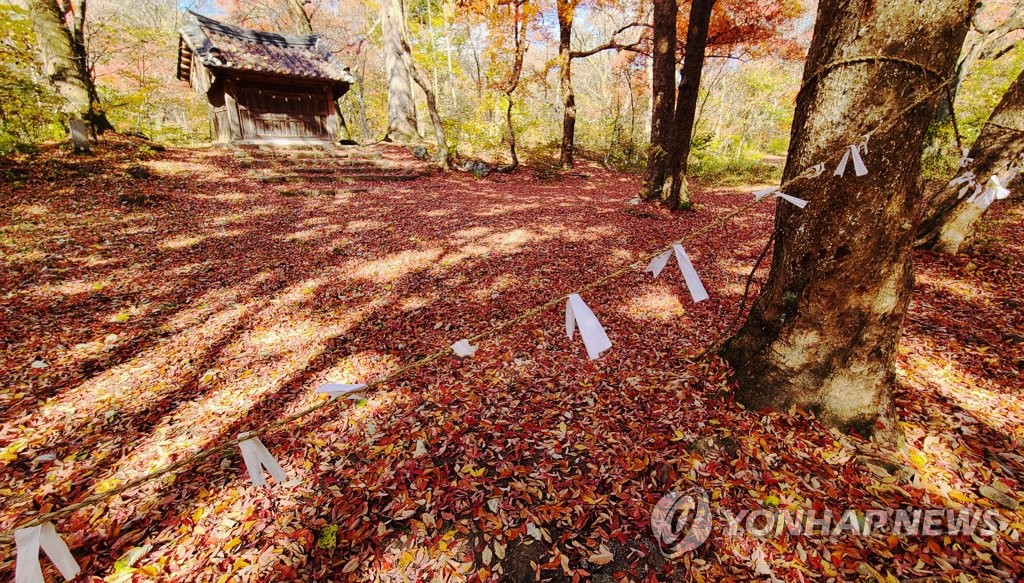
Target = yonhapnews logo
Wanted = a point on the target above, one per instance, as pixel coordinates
(682, 521)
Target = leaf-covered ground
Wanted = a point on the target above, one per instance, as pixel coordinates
(143, 319)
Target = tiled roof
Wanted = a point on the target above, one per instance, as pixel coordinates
(224, 46)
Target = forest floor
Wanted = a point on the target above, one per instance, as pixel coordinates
(144, 319)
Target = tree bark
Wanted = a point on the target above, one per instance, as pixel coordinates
(519, 23)
(986, 42)
(663, 95)
(62, 52)
(674, 192)
(949, 220)
(566, 12)
(401, 106)
(443, 157)
(300, 23)
(823, 333)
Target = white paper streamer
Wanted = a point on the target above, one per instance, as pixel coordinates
(658, 263)
(594, 337)
(693, 283)
(464, 349)
(965, 178)
(29, 541)
(964, 160)
(994, 191)
(760, 194)
(256, 457)
(817, 169)
(792, 199)
(853, 153)
(339, 389)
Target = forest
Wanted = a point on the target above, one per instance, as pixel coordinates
(511, 290)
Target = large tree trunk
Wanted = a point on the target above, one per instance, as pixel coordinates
(63, 55)
(566, 12)
(823, 333)
(401, 106)
(949, 220)
(674, 191)
(663, 91)
(443, 157)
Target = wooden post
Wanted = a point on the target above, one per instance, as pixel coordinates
(332, 116)
(232, 106)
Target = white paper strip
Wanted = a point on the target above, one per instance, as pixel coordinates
(964, 160)
(658, 263)
(998, 190)
(693, 283)
(256, 457)
(594, 337)
(853, 152)
(792, 199)
(463, 348)
(965, 178)
(339, 389)
(29, 541)
(760, 194)
(817, 169)
(994, 191)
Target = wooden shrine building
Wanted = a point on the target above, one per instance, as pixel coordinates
(262, 87)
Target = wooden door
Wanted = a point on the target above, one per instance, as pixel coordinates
(267, 113)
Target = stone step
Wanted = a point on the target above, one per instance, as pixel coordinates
(344, 178)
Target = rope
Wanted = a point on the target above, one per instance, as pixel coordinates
(1005, 127)
(263, 430)
(866, 59)
(743, 304)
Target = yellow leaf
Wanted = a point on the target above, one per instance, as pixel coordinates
(405, 559)
(232, 544)
(150, 570)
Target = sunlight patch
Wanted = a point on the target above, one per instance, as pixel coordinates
(397, 265)
(661, 304)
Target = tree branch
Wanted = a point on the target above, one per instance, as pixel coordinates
(612, 44)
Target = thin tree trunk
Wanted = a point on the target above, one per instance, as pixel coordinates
(566, 12)
(949, 221)
(519, 24)
(823, 333)
(675, 192)
(401, 106)
(62, 52)
(663, 95)
(443, 157)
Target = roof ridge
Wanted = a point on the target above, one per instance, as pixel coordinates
(301, 40)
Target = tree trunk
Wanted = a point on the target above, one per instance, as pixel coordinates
(443, 158)
(401, 106)
(519, 23)
(62, 52)
(985, 43)
(566, 12)
(823, 333)
(297, 16)
(663, 91)
(674, 192)
(950, 220)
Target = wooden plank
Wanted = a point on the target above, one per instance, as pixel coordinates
(234, 123)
